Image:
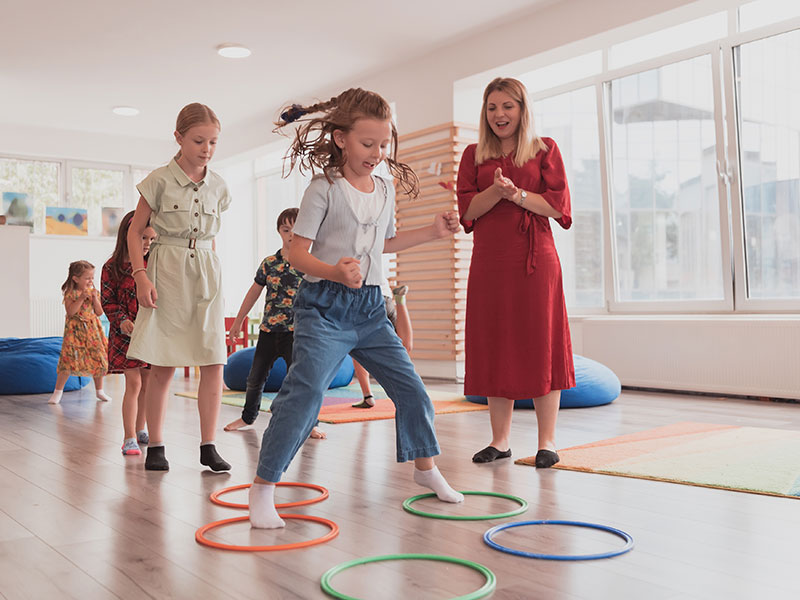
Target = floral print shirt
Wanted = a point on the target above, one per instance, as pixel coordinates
(281, 282)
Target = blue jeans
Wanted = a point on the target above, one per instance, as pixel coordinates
(330, 321)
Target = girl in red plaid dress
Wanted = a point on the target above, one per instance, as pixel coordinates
(120, 305)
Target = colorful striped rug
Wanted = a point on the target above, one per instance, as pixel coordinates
(744, 459)
(336, 406)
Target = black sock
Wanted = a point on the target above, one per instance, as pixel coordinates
(210, 458)
(546, 459)
(156, 461)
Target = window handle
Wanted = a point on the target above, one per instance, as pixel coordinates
(724, 173)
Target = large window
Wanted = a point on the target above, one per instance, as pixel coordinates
(95, 189)
(665, 200)
(571, 120)
(32, 183)
(768, 95)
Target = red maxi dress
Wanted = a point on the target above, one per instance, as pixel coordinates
(517, 334)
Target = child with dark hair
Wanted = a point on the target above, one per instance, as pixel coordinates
(118, 298)
(276, 333)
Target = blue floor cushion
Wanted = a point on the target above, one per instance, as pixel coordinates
(595, 384)
(238, 367)
(28, 366)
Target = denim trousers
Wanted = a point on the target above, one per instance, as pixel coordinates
(270, 346)
(330, 321)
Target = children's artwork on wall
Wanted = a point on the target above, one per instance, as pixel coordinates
(111, 219)
(66, 221)
(18, 208)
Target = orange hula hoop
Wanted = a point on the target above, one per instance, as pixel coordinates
(199, 535)
(323, 495)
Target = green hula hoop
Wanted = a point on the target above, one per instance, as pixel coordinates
(488, 587)
(523, 506)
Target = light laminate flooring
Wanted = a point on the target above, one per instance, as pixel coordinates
(79, 520)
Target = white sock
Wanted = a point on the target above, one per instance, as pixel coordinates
(435, 481)
(101, 395)
(55, 398)
(261, 500)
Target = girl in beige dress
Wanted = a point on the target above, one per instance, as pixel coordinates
(181, 320)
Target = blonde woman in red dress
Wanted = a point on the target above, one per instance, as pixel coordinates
(510, 185)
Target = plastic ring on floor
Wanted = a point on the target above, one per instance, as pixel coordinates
(200, 535)
(324, 494)
(522, 508)
(487, 537)
(488, 587)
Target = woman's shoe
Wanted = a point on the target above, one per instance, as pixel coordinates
(367, 402)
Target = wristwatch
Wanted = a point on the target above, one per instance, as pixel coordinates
(522, 195)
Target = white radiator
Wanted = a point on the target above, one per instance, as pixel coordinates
(744, 355)
(47, 316)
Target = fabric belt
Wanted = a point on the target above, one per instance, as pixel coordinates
(527, 225)
(168, 240)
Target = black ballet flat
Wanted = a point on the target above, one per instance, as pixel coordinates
(489, 454)
(546, 459)
(367, 402)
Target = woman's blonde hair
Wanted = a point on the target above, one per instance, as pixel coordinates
(528, 143)
(76, 269)
(313, 147)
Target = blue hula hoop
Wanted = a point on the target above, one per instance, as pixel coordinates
(487, 537)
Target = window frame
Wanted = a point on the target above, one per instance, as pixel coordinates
(594, 81)
(728, 168)
(744, 304)
(64, 194)
(721, 305)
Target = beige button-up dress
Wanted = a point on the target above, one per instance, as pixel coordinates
(188, 326)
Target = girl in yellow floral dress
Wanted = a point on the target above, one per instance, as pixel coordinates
(84, 351)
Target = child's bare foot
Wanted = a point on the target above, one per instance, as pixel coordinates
(318, 434)
(235, 425)
(55, 398)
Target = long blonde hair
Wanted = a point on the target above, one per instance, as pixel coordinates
(313, 147)
(528, 143)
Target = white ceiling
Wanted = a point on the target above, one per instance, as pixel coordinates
(66, 64)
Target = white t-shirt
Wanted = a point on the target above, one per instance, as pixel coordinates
(367, 207)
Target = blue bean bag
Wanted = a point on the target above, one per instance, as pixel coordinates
(595, 385)
(28, 366)
(238, 367)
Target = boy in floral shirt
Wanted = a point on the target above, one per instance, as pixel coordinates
(276, 333)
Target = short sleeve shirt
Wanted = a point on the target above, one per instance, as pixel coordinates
(327, 217)
(184, 208)
(281, 282)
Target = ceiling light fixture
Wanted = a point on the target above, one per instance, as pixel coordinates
(233, 51)
(125, 111)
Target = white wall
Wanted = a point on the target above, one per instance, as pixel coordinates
(236, 240)
(15, 275)
(50, 256)
(63, 144)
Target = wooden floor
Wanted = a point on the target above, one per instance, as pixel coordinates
(79, 520)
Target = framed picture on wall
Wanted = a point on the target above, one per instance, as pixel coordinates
(18, 208)
(66, 221)
(111, 218)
